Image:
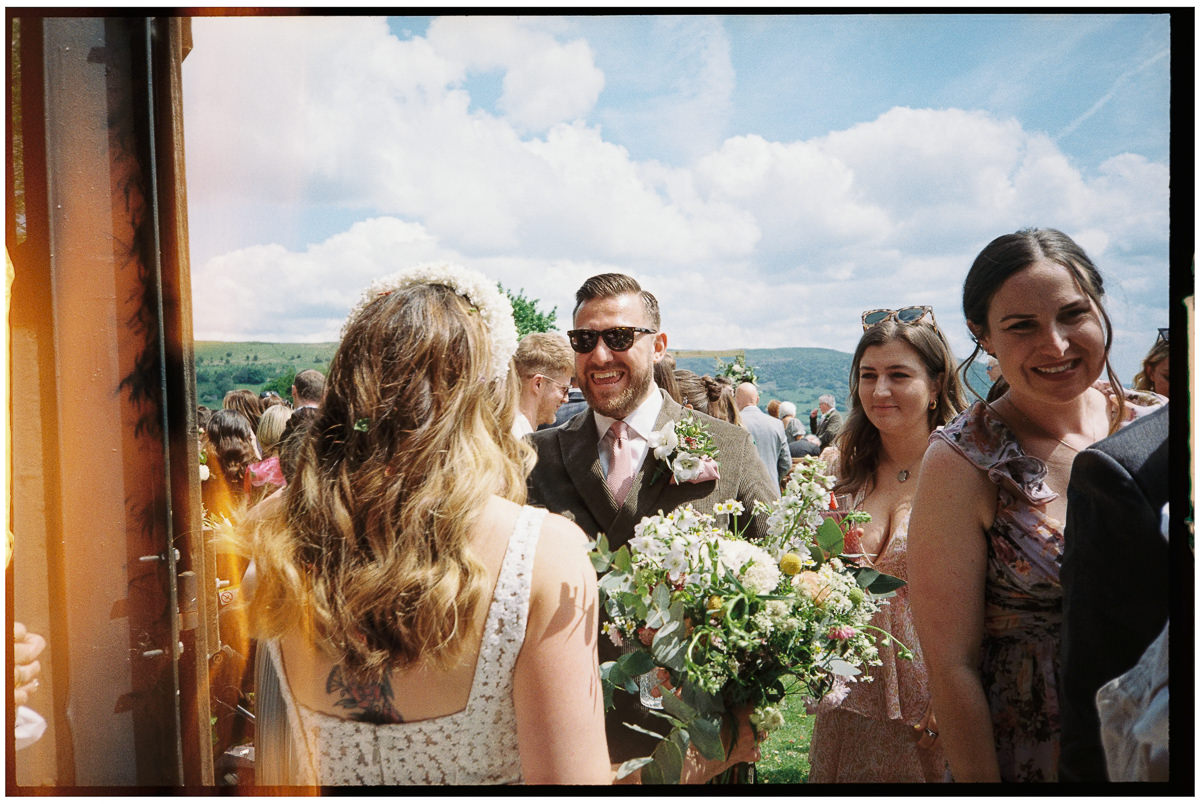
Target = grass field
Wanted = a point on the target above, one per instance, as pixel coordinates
(785, 752)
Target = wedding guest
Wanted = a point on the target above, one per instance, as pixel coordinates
(767, 432)
(1112, 610)
(798, 445)
(268, 399)
(230, 447)
(270, 428)
(575, 404)
(773, 409)
(824, 420)
(203, 414)
(308, 387)
(598, 470)
(692, 393)
(1156, 367)
(265, 476)
(422, 625)
(902, 386)
(721, 402)
(292, 438)
(664, 377)
(246, 402)
(986, 531)
(544, 362)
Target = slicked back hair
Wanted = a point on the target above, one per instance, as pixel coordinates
(607, 286)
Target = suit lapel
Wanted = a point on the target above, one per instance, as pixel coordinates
(581, 459)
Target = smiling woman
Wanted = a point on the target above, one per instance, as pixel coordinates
(990, 509)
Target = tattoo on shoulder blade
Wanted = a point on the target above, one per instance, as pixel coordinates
(372, 700)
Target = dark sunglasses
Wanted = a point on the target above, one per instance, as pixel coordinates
(618, 339)
(905, 315)
(1164, 334)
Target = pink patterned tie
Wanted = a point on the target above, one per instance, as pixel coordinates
(620, 463)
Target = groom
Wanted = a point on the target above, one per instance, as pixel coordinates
(598, 468)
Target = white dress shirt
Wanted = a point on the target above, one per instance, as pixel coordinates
(641, 424)
(521, 426)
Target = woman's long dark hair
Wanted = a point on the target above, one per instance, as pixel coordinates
(858, 442)
(1010, 253)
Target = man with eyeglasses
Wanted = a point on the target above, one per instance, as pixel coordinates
(544, 362)
(598, 469)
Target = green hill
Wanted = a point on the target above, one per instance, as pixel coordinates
(222, 366)
(794, 374)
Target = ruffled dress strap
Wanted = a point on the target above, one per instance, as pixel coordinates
(982, 437)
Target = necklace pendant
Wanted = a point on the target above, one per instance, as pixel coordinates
(902, 475)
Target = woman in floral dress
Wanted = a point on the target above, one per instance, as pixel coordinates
(902, 386)
(987, 519)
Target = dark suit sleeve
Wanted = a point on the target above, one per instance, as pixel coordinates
(785, 459)
(1114, 579)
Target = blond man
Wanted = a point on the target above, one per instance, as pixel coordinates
(544, 362)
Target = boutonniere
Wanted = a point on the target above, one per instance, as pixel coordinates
(685, 449)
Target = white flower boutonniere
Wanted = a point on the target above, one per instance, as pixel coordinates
(685, 449)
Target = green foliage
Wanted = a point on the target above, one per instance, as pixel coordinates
(526, 314)
(249, 376)
(222, 366)
(282, 384)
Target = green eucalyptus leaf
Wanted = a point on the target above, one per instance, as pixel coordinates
(695, 696)
(636, 663)
(830, 538)
(622, 560)
(865, 576)
(630, 765)
(669, 759)
(706, 736)
(675, 707)
(662, 597)
(652, 773)
(670, 646)
(642, 730)
(885, 584)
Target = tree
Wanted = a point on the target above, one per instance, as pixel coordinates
(282, 384)
(526, 314)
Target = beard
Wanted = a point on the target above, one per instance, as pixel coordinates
(618, 404)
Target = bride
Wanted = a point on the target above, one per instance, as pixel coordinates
(422, 626)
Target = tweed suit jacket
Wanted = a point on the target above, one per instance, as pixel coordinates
(568, 480)
(826, 429)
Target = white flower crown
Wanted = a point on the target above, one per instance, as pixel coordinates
(480, 291)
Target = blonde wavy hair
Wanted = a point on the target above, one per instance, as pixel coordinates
(371, 552)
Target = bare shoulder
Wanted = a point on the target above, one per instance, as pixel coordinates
(562, 548)
(951, 487)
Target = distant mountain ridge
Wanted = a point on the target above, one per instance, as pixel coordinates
(796, 374)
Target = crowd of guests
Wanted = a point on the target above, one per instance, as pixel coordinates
(395, 535)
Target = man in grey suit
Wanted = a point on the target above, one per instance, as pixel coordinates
(825, 422)
(617, 340)
(1116, 579)
(769, 438)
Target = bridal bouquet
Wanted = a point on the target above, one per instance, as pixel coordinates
(710, 620)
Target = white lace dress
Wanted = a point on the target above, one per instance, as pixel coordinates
(475, 746)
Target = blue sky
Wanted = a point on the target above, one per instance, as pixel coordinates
(767, 176)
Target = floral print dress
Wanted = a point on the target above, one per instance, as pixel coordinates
(1023, 596)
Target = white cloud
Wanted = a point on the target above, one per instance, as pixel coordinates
(752, 243)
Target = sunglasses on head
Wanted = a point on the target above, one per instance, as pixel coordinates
(618, 339)
(905, 315)
(1164, 334)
